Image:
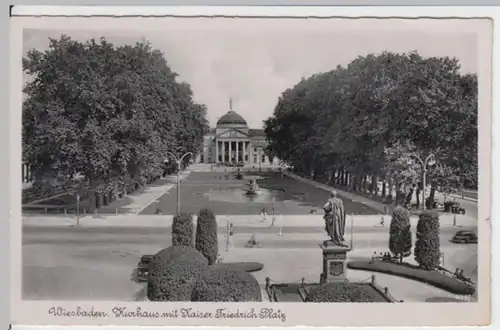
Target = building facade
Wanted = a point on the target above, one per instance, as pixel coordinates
(233, 142)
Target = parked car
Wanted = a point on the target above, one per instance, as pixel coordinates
(465, 237)
(143, 267)
(453, 207)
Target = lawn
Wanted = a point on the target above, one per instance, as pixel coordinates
(224, 194)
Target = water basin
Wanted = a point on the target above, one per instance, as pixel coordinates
(239, 195)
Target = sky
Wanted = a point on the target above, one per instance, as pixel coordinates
(254, 61)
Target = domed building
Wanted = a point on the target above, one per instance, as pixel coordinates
(232, 142)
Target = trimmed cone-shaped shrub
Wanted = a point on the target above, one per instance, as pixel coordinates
(206, 235)
(339, 292)
(173, 272)
(400, 233)
(227, 284)
(183, 230)
(427, 247)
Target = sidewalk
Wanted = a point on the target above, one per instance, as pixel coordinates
(162, 221)
(138, 201)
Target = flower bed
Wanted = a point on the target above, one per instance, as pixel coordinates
(249, 267)
(430, 277)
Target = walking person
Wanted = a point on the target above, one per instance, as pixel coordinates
(263, 214)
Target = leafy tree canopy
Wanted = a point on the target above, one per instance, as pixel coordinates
(377, 116)
(109, 113)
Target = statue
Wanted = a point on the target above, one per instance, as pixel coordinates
(335, 219)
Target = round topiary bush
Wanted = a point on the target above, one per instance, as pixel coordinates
(223, 283)
(339, 292)
(183, 230)
(173, 272)
(400, 233)
(206, 235)
(427, 247)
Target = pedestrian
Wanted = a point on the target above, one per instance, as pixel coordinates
(263, 214)
(231, 234)
(382, 221)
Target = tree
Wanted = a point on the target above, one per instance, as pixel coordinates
(183, 230)
(206, 235)
(400, 241)
(107, 113)
(363, 122)
(427, 247)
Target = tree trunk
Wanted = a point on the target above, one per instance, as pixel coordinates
(431, 197)
(391, 188)
(409, 196)
(354, 183)
(398, 193)
(374, 187)
(383, 189)
(418, 196)
(92, 202)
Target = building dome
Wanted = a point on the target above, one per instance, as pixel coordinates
(231, 118)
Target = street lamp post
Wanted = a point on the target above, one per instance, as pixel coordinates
(77, 209)
(179, 163)
(430, 160)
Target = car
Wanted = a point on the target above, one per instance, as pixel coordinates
(143, 267)
(465, 237)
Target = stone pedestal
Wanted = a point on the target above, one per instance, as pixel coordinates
(334, 262)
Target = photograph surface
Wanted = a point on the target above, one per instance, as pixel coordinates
(172, 172)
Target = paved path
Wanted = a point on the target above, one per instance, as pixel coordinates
(138, 201)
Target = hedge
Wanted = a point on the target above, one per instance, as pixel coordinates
(339, 292)
(206, 235)
(183, 230)
(430, 277)
(228, 284)
(400, 241)
(427, 247)
(173, 272)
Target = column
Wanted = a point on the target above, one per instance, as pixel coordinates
(237, 151)
(250, 153)
(223, 151)
(230, 151)
(216, 151)
(244, 151)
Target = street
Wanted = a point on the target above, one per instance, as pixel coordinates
(98, 263)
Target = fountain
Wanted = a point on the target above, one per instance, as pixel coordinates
(252, 188)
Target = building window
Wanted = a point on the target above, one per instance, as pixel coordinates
(255, 149)
(263, 158)
(255, 159)
(202, 158)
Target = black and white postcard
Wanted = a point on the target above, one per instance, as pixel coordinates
(250, 171)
